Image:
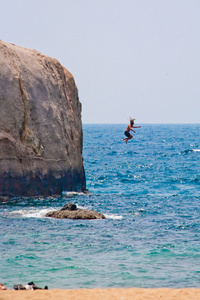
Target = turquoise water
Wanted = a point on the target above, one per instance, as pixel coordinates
(149, 191)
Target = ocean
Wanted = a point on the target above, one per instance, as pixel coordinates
(149, 191)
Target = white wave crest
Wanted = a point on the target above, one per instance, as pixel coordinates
(113, 217)
(32, 213)
(71, 194)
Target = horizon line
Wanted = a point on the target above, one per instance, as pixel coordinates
(148, 123)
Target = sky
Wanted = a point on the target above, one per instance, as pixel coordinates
(129, 58)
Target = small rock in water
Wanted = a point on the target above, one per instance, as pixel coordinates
(70, 211)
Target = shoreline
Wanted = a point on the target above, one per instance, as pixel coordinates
(109, 293)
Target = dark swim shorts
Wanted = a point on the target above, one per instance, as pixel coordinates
(127, 133)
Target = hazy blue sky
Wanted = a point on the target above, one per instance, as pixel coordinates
(138, 58)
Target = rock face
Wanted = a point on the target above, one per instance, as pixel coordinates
(70, 211)
(40, 125)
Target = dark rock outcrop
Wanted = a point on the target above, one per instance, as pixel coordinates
(70, 211)
(69, 206)
(40, 125)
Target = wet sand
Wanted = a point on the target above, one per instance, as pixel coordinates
(103, 294)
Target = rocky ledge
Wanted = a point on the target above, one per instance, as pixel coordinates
(70, 211)
(40, 126)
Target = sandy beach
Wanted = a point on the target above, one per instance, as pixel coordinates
(105, 294)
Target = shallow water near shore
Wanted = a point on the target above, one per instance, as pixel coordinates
(149, 191)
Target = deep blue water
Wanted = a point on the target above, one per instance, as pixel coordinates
(149, 190)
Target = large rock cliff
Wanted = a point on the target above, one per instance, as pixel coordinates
(40, 125)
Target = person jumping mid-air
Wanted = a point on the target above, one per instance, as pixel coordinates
(128, 129)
